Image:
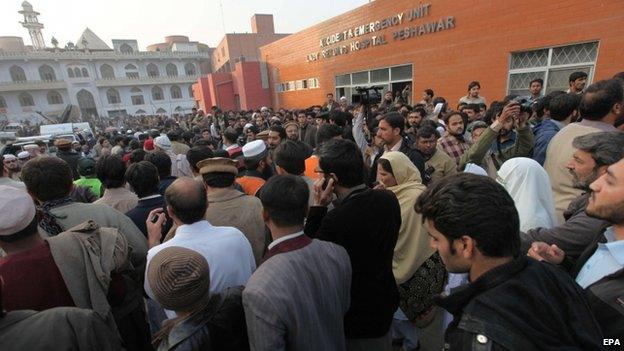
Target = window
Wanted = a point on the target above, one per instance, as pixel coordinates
(172, 70)
(131, 71)
(189, 69)
(112, 96)
(85, 73)
(313, 83)
(344, 79)
(107, 72)
(70, 73)
(161, 111)
(387, 78)
(46, 73)
(553, 65)
(157, 94)
(140, 112)
(379, 75)
(77, 72)
(401, 73)
(126, 49)
(190, 91)
(2, 102)
(26, 100)
(303, 84)
(17, 74)
(54, 98)
(152, 70)
(359, 78)
(176, 93)
(137, 96)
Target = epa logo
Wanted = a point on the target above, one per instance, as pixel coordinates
(611, 342)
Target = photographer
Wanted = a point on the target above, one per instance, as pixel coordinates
(500, 142)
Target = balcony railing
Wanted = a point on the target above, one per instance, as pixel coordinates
(96, 55)
(125, 81)
(33, 85)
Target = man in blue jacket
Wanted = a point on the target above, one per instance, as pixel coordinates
(563, 110)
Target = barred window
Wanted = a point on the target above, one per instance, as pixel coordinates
(554, 65)
(54, 98)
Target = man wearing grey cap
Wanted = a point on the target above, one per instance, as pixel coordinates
(180, 280)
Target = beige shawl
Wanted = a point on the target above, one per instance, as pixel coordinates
(412, 247)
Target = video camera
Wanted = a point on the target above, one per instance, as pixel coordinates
(368, 95)
(525, 104)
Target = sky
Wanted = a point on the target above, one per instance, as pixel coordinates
(149, 21)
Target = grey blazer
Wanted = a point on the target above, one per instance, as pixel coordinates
(297, 300)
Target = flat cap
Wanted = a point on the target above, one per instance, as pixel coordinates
(62, 142)
(217, 164)
(291, 124)
(263, 135)
(17, 210)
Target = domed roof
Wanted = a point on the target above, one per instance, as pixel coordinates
(27, 6)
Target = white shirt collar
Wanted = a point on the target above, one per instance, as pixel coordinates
(396, 146)
(199, 226)
(284, 238)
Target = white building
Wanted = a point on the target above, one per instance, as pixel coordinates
(99, 80)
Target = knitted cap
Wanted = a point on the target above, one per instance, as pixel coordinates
(179, 278)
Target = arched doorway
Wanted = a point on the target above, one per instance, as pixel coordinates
(86, 104)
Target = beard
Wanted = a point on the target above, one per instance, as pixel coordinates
(577, 183)
(504, 132)
(612, 213)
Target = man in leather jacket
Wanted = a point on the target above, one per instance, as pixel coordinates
(512, 302)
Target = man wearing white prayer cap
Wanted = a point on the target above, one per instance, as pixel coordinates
(257, 167)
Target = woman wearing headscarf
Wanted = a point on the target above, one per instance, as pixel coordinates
(529, 186)
(418, 269)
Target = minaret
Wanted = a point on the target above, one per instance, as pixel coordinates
(32, 24)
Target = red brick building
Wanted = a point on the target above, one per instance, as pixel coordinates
(240, 80)
(445, 44)
(246, 87)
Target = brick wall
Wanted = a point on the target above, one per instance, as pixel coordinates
(478, 48)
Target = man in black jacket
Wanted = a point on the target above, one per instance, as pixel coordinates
(366, 223)
(143, 180)
(512, 302)
(390, 130)
(68, 155)
(600, 268)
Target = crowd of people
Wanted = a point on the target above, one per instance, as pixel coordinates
(384, 226)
